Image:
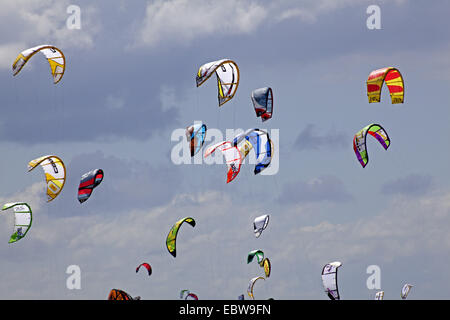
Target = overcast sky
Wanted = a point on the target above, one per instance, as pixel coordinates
(129, 88)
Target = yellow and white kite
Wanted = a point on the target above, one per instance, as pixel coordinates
(55, 174)
(54, 56)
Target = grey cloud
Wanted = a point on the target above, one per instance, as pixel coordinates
(308, 138)
(412, 185)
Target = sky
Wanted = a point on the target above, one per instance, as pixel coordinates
(128, 93)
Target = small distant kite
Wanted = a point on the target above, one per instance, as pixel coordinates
(394, 82)
(379, 295)
(251, 284)
(267, 267)
(255, 253)
(146, 266)
(117, 294)
(259, 224)
(405, 290)
(329, 280)
(191, 296)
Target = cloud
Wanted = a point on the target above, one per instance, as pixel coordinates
(42, 22)
(308, 139)
(185, 20)
(324, 188)
(411, 185)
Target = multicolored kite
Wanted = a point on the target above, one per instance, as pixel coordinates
(171, 240)
(394, 82)
(88, 182)
(196, 135)
(359, 141)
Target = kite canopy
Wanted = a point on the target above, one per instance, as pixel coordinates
(117, 294)
(255, 253)
(258, 140)
(394, 82)
(329, 279)
(146, 266)
(379, 295)
(182, 292)
(405, 290)
(267, 267)
(359, 141)
(88, 182)
(55, 174)
(54, 56)
(251, 284)
(22, 219)
(196, 135)
(191, 296)
(171, 240)
(227, 73)
(233, 158)
(259, 224)
(262, 99)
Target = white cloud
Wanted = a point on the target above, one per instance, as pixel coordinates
(186, 20)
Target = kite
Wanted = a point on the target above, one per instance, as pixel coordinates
(196, 135)
(191, 296)
(88, 182)
(117, 294)
(227, 73)
(262, 99)
(405, 290)
(146, 266)
(55, 174)
(267, 267)
(359, 141)
(259, 256)
(182, 292)
(259, 224)
(394, 82)
(329, 280)
(54, 56)
(379, 295)
(172, 236)
(259, 141)
(233, 158)
(22, 219)
(251, 284)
